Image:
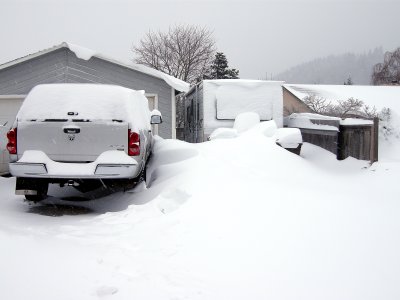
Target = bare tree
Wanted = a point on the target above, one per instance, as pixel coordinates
(387, 72)
(342, 108)
(184, 52)
(370, 112)
(347, 107)
(317, 104)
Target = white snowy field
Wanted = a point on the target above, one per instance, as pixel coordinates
(228, 219)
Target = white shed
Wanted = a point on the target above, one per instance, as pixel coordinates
(216, 103)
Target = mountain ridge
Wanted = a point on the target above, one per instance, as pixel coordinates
(335, 69)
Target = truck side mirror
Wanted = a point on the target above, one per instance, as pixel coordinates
(156, 117)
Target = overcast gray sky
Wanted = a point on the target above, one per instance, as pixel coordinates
(258, 37)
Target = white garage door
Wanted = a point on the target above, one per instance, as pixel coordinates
(9, 106)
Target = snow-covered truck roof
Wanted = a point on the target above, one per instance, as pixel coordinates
(85, 101)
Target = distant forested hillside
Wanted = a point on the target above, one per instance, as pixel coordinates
(335, 69)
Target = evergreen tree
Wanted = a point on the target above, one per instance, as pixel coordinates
(219, 68)
(233, 73)
(349, 81)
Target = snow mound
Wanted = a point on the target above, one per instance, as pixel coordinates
(249, 124)
(266, 128)
(223, 133)
(245, 121)
(218, 222)
(171, 200)
(288, 137)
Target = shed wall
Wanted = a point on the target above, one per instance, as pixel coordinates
(291, 104)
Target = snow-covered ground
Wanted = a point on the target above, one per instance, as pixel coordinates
(236, 218)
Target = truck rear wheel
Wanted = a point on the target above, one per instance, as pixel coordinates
(28, 185)
(36, 198)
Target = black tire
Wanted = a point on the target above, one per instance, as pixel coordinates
(142, 175)
(41, 193)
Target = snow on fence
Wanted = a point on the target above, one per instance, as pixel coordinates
(350, 137)
(327, 139)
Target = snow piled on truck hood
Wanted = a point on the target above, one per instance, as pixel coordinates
(228, 219)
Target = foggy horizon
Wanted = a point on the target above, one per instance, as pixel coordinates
(259, 38)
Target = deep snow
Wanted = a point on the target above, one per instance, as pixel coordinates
(236, 218)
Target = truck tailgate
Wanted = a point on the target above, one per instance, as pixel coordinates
(67, 141)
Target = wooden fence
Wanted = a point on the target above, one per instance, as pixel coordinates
(326, 139)
(358, 141)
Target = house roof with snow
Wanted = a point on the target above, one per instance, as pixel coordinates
(86, 54)
(374, 96)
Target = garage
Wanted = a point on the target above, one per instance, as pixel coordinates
(68, 63)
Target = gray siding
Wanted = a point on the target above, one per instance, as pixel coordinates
(62, 65)
(21, 78)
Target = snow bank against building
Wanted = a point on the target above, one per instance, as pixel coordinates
(223, 133)
(249, 124)
(245, 121)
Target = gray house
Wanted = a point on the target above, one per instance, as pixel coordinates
(68, 63)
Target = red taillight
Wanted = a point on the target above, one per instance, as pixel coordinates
(133, 143)
(12, 141)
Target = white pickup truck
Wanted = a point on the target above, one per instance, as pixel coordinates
(81, 135)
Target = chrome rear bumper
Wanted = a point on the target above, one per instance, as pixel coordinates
(99, 171)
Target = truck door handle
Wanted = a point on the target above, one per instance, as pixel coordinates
(72, 130)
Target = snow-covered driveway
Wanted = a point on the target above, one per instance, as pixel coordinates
(227, 219)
